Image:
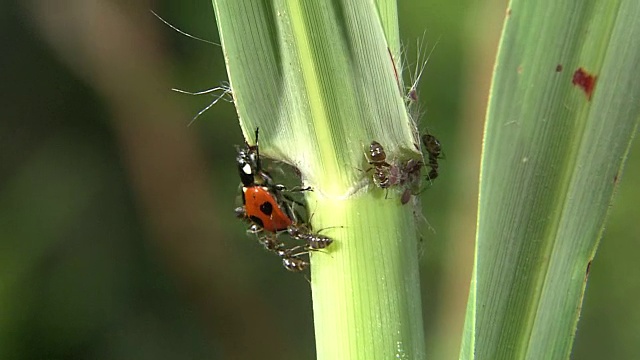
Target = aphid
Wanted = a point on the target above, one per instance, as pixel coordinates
(406, 196)
(410, 177)
(412, 170)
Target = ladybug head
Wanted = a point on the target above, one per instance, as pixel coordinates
(248, 161)
(248, 165)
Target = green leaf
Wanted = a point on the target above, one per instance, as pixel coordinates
(553, 152)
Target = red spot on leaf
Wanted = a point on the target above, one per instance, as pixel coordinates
(585, 81)
(559, 68)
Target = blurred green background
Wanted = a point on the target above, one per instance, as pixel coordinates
(118, 237)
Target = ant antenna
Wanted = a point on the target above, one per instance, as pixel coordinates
(182, 32)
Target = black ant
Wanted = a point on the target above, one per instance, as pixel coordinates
(381, 168)
(314, 241)
(290, 260)
(434, 149)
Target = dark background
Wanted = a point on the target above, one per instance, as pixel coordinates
(118, 238)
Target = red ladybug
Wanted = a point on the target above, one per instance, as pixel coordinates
(267, 209)
(261, 208)
(263, 202)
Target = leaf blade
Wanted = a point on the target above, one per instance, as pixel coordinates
(548, 164)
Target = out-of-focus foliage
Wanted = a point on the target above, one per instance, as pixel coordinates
(116, 223)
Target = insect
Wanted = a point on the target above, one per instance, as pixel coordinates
(381, 168)
(314, 241)
(434, 149)
(290, 260)
(262, 208)
(388, 174)
(406, 174)
(250, 168)
(268, 209)
(410, 178)
(411, 169)
(261, 197)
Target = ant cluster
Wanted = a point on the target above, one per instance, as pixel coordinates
(407, 173)
(271, 211)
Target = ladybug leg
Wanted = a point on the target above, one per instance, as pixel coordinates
(254, 229)
(300, 189)
(241, 212)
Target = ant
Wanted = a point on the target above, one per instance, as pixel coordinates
(290, 260)
(381, 168)
(434, 149)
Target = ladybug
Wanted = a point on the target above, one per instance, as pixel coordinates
(267, 208)
(260, 196)
(262, 209)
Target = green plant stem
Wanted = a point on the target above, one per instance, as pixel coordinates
(316, 77)
(366, 293)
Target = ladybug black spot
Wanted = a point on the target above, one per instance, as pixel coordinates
(266, 208)
(257, 221)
